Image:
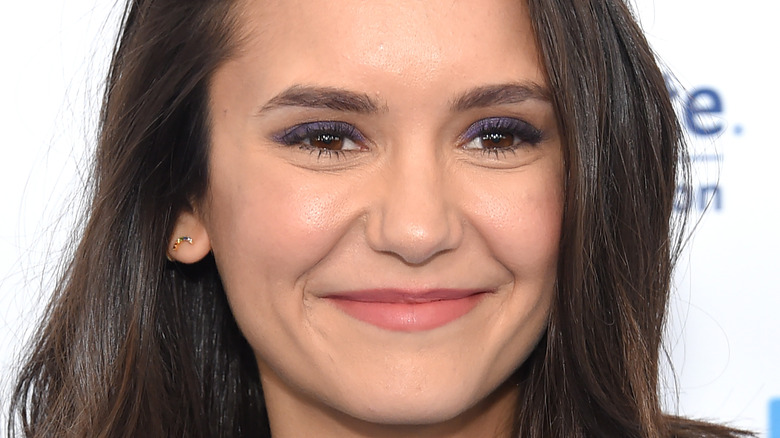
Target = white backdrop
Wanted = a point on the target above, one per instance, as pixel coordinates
(724, 325)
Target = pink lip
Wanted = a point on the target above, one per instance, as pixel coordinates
(406, 310)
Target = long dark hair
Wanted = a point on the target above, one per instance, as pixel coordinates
(135, 345)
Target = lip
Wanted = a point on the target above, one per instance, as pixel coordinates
(407, 310)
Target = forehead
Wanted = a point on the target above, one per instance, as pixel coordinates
(423, 43)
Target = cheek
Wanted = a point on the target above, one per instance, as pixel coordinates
(273, 226)
(521, 224)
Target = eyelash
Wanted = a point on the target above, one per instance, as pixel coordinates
(301, 134)
(520, 132)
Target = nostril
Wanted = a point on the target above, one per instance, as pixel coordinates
(416, 236)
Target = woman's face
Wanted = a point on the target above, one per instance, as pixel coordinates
(385, 202)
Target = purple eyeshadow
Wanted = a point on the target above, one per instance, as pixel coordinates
(299, 133)
(523, 130)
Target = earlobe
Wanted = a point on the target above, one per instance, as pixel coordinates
(189, 242)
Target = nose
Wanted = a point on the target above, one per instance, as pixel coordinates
(415, 216)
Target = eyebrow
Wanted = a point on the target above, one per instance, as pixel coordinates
(323, 97)
(500, 94)
(339, 99)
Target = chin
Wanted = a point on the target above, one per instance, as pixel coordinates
(427, 407)
(412, 413)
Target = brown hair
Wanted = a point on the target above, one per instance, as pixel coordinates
(135, 345)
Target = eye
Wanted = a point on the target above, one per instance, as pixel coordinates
(324, 137)
(331, 141)
(500, 134)
(492, 140)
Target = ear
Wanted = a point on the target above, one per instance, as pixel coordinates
(189, 241)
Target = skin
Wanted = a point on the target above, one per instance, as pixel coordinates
(413, 207)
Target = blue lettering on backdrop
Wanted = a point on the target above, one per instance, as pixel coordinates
(701, 114)
(702, 108)
(774, 418)
(703, 197)
(703, 102)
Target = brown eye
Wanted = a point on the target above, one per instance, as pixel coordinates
(325, 137)
(497, 140)
(327, 141)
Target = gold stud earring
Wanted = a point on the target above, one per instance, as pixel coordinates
(180, 240)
